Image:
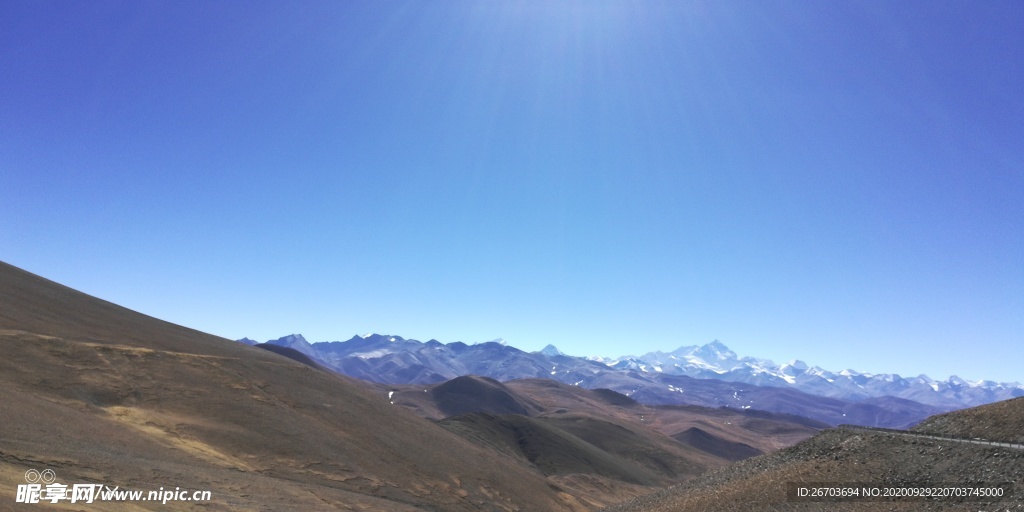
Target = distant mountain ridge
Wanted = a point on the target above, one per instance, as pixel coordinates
(715, 361)
(393, 359)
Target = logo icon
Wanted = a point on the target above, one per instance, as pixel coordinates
(46, 476)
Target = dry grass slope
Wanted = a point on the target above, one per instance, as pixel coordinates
(1001, 421)
(102, 394)
(838, 456)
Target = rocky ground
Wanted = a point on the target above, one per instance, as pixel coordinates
(866, 458)
(1001, 421)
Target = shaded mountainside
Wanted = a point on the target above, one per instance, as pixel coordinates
(293, 354)
(628, 459)
(102, 394)
(551, 449)
(1001, 421)
(615, 398)
(552, 400)
(716, 446)
(765, 431)
(479, 394)
(861, 457)
(564, 430)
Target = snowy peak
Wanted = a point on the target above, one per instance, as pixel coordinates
(376, 338)
(551, 351)
(715, 353)
(797, 364)
(793, 369)
(716, 361)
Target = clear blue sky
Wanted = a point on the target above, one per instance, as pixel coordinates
(841, 182)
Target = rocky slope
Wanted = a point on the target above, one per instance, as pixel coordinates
(835, 457)
(1001, 421)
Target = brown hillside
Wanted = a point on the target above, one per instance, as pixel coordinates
(764, 431)
(836, 456)
(102, 394)
(1001, 421)
(597, 443)
(714, 445)
(468, 393)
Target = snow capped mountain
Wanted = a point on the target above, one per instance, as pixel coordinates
(710, 374)
(714, 351)
(551, 351)
(793, 367)
(716, 361)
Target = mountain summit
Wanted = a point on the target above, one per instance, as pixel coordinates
(295, 342)
(714, 351)
(551, 351)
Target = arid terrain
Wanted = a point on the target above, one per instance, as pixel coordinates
(1001, 421)
(102, 394)
(866, 458)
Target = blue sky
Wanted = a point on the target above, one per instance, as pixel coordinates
(839, 182)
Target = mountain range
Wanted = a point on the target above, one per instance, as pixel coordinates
(392, 359)
(715, 361)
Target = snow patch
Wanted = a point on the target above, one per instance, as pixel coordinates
(372, 354)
